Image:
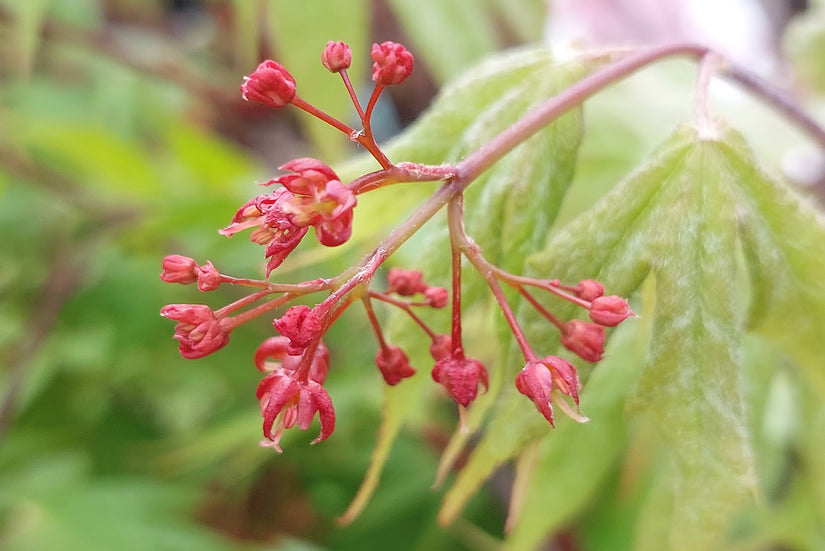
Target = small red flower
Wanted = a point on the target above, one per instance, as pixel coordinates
(319, 199)
(589, 289)
(270, 84)
(393, 364)
(405, 282)
(179, 269)
(609, 311)
(309, 176)
(583, 338)
(209, 278)
(287, 401)
(437, 297)
(337, 56)
(565, 377)
(537, 380)
(301, 326)
(393, 63)
(460, 376)
(197, 331)
(268, 214)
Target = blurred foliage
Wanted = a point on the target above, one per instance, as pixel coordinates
(122, 139)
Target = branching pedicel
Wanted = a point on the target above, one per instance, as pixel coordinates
(312, 195)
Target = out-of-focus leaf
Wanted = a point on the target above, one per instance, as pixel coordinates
(692, 384)
(300, 31)
(783, 240)
(399, 401)
(28, 21)
(52, 505)
(449, 36)
(525, 18)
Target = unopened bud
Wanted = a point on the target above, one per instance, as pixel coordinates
(437, 297)
(337, 56)
(609, 311)
(179, 269)
(209, 278)
(589, 290)
(585, 339)
(270, 84)
(393, 63)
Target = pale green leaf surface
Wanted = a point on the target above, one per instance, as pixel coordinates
(784, 242)
(692, 383)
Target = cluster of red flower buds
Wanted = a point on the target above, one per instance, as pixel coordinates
(312, 195)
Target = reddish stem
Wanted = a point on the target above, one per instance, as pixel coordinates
(253, 313)
(352, 95)
(406, 308)
(366, 139)
(542, 310)
(473, 254)
(455, 218)
(240, 303)
(376, 327)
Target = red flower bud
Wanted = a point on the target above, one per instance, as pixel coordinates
(270, 84)
(179, 269)
(609, 311)
(585, 339)
(437, 297)
(405, 282)
(460, 376)
(301, 326)
(393, 364)
(441, 347)
(337, 56)
(209, 278)
(589, 290)
(197, 331)
(393, 63)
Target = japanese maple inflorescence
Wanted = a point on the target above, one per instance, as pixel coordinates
(311, 195)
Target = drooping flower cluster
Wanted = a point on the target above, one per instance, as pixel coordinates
(311, 195)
